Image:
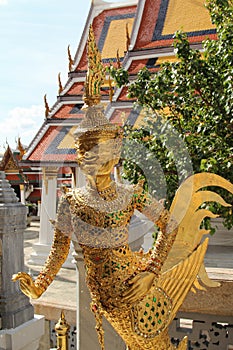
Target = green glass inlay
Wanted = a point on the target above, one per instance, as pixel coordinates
(154, 299)
(147, 304)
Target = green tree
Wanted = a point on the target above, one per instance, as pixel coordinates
(195, 96)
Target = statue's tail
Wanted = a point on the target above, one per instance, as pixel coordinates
(187, 210)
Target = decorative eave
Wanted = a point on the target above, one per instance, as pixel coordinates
(40, 164)
(73, 78)
(117, 105)
(62, 100)
(137, 23)
(43, 129)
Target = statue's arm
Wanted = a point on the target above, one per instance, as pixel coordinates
(57, 256)
(140, 284)
(168, 228)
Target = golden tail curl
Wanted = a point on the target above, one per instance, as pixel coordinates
(186, 210)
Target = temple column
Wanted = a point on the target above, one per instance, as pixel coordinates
(22, 193)
(47, 212)
(38, 208)
(48, 204)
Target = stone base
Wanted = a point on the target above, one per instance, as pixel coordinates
(15, 309)
(41, 252)
(25, 337)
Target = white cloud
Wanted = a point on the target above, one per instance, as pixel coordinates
(23, 123)
(25, 117)
(3, 2)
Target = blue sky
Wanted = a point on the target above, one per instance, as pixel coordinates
(34, 35)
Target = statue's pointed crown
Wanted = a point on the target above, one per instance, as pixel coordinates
(94, 119)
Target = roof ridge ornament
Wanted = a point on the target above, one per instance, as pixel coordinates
(71, 61)
(95, 72)
(47, 109)
(60, 89)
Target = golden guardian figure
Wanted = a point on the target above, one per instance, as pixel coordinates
(138, 293)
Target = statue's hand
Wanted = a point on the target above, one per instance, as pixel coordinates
(27, 285)
(139, 286)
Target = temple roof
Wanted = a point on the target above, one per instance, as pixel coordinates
(9, 162)
(169, 16)
(142, 33)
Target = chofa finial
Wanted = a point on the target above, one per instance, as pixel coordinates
(59, 84)
(95, 72)
(47, 109)
(71, 61)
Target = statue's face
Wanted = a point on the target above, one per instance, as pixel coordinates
(99, 157)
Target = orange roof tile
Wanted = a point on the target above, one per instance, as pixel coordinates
(69, 111)
(169, 16)
(104, 29)
(50, 147)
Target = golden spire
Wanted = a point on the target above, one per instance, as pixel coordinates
(47, 109)
(60, 84)
(95, 72)
(127, 37)
(71, 61)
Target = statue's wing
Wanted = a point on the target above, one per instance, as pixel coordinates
(187, 211)
(177, 281)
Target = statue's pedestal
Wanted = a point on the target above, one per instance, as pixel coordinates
(24, 337)
(19, 328)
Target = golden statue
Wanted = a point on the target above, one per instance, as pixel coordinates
(138, 293)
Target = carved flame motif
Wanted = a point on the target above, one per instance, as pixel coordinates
(95, 73)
